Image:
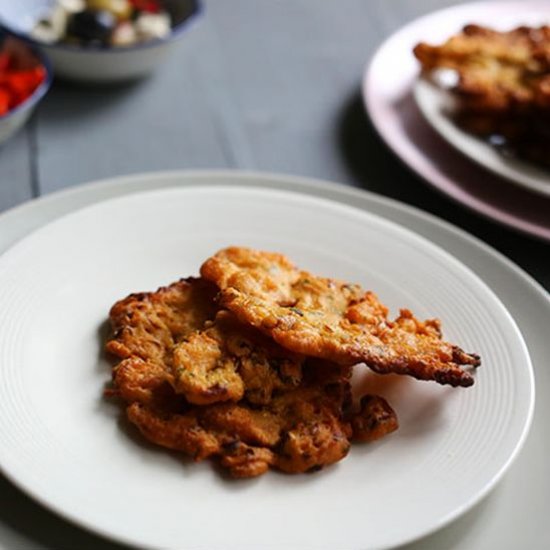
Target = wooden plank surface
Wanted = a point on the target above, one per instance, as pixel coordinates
(268, 85)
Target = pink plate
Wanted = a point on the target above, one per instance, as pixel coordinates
(387, 93)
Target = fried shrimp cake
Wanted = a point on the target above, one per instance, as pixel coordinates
(315, 433)
(148, 324)
(136, 380)
(296, 431)
(166, 337)
(331, 319)
(375, 419)
(498, 71)
(503, 88)
(145, 328)
(228, 360)
(239, 437)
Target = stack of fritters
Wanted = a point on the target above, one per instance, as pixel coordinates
(251, 363)
(503, 84)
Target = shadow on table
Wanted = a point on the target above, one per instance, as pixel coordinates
(47, 530)
(377, 169)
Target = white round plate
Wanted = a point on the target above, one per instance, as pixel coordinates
(65, 445)
(437, 106)
(388, 97)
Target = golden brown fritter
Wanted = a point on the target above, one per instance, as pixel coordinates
(503, 87)
(142, 381)
(331, 319)
(148, 324)
(145, 328)
(226, 361)
(265, 383)
(316, 433)
(178, 355)
(179, 432)
(242, 460)
(374, 420)
(297, 431)
(498, 71)
(158, 335)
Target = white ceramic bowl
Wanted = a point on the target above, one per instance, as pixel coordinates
(15, 119)
(92, 63)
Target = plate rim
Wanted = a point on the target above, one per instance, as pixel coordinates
(457, 138)
(478, 205)
(269, 181)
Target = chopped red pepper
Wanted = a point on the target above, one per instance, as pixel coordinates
(4, 61)
(4, 101)
(151, 6)
(19, 78)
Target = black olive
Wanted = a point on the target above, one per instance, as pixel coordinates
(92, 27)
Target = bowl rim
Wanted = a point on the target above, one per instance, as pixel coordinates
(40, 90)
(175, 32)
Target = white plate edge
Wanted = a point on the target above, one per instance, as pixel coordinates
(520, 173)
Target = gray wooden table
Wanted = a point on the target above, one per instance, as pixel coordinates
(269, 85)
